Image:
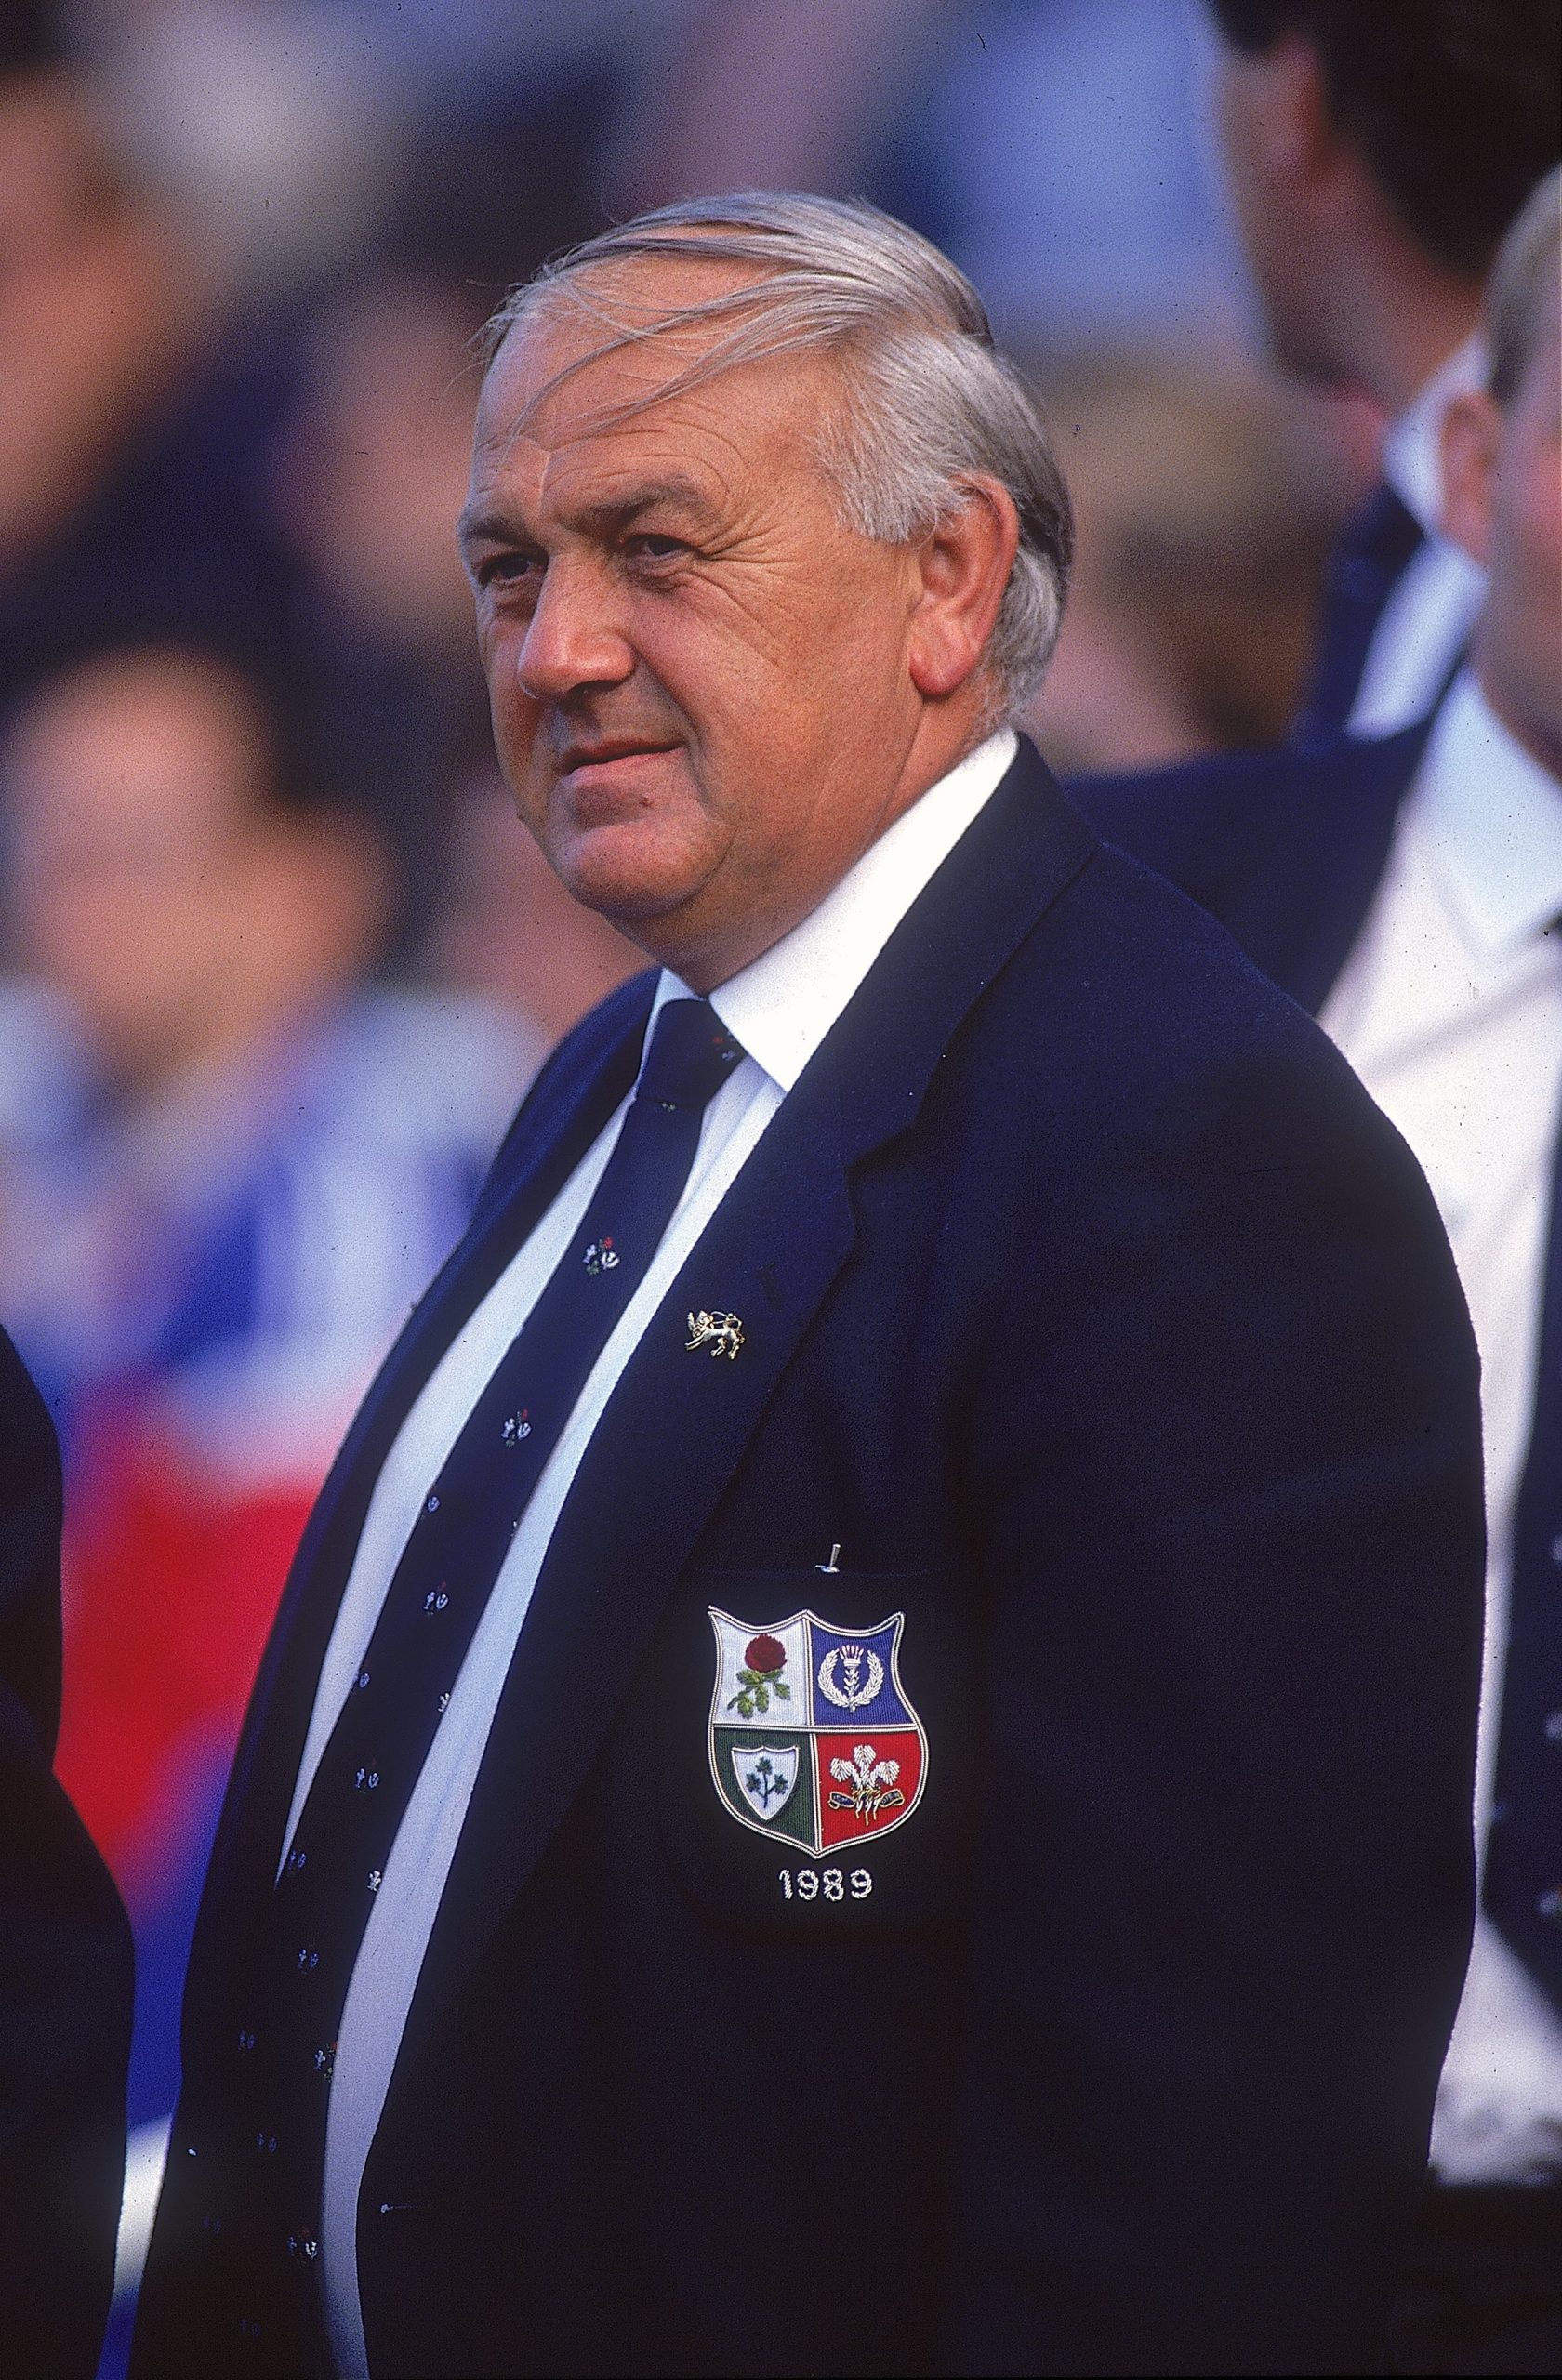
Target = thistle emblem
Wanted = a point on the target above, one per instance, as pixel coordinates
(840, 1675)
(722, 1333)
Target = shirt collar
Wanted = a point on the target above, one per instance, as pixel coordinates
(1496, 822)
(782, 1004)
(1413, 456)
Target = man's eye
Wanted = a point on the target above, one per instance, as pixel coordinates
(647, 546)
(504, 570)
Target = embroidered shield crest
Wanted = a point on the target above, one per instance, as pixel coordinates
(811, 1737)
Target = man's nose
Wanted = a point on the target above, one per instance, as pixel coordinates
(572, 641)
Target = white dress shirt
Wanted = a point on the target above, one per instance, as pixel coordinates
(1426, 621)
(1450, 1007)
(780, 1009)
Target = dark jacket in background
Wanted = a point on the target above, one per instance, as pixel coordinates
(65, 1980)
(1287, 850)
(1285, 847)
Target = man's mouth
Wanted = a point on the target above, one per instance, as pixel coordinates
(600, 760)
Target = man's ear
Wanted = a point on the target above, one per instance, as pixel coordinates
(1279, 116)
(962, 571)
(1472, 439)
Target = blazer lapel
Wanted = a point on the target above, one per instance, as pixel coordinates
(1296, 890)
(646, 1487)
(564, 1115)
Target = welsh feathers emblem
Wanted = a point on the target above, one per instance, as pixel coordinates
(811, 1737)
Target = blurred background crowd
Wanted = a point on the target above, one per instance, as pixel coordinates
(278, 963)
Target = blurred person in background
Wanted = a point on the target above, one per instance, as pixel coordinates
(292, 131)
(1204, 502)
(65, 1981)
(371, 463)
(1376, 155)
(128, 430)
(1061, 150)
(232, 1166)
(367, 474)
(1409, 890)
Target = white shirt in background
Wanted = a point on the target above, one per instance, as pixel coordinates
(1449, 1008)
(1426, 622)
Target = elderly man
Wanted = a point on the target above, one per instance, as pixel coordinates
(1376, 156)
(866, 1767)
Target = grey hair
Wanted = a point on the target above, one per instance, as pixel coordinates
(1522, 280)
(927, 401)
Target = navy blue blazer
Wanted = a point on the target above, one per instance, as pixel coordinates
(65, 1978)
(1097, 1315)
(1285, 845)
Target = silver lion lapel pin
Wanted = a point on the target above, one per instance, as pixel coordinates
(722, 1333)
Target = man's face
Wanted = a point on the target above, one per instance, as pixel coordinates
(1521, 633)
(1253, 100)
(698, 677)
(1503, 473)
(131, 789)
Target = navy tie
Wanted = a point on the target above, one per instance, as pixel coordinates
(1523, 1880)
(1370, 553)
(336, 1861)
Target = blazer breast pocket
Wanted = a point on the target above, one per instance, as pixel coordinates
(818, 1743)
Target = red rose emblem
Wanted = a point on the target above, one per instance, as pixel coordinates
(765, 1656)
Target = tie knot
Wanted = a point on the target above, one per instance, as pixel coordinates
(691, 1056)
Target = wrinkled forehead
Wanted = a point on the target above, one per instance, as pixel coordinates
(599, 345)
